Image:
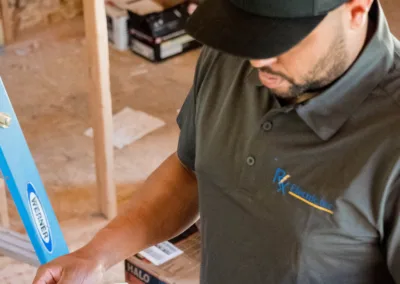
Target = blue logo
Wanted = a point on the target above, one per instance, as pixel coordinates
(281, 178)
(39, 217)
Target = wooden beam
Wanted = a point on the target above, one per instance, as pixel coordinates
(17, 246)
(4, 218)
(7, 22)
(100, 103)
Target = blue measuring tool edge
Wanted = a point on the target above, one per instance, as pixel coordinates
(26, 188)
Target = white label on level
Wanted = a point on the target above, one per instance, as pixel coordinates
(161, 253)
(143, 49)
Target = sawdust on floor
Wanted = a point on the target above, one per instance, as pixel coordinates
(45, 75)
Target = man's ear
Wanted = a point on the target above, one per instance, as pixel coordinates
(358, 12)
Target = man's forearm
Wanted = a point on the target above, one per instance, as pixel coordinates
(163, 207)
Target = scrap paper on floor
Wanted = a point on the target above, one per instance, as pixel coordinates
(131, 125)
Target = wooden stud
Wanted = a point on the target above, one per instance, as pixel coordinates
(7, 22)
(100, 103)
(4, 218)
(17, 246)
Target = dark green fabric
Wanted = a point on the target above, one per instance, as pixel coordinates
(297, 194)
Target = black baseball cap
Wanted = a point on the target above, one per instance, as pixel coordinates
(257, 29)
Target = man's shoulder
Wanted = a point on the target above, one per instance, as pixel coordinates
(212, 60)
(209, 55)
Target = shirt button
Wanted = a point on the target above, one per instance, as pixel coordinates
(267, 126)
(251, 161)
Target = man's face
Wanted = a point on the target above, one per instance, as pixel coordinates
(312, 64)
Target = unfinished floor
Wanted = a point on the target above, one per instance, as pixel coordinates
(45, 75)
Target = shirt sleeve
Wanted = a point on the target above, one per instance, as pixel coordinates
(187, 116)
(392, 232)
(187, 138)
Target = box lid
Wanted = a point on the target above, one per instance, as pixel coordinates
(184, 269)
(145, 7)
(158, 24)
(115, 8)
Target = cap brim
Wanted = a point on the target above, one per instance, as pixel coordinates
(222, 26)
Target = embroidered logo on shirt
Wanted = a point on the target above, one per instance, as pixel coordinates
(281, 178)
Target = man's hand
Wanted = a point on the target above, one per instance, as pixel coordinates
(146, 221)
(74, 268)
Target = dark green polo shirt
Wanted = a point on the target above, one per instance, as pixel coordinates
(297, 194)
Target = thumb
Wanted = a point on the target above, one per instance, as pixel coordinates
(48, 275)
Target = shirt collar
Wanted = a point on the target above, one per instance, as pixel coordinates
(326, 113)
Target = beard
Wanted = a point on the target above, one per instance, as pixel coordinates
(332, 65)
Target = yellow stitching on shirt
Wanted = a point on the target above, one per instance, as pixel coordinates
(285, 178)
(310, 203)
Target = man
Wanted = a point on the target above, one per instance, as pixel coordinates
(289, 140)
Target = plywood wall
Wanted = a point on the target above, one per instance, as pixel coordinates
(26, 14)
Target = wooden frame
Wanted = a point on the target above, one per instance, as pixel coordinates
(7, 22)
(4, 218)
(99, 98)
(18, 246)
(100, 104)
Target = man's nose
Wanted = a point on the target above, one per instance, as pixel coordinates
(263, 62)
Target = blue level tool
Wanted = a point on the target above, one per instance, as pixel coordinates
(26, 187)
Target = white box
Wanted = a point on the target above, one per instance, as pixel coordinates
(117, 24)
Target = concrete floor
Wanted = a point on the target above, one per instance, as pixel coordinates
(45, 75)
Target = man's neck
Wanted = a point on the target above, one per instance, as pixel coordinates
(365, 37)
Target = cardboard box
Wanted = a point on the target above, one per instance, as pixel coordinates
(184, 269)
(117, 24)
(156, 28)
